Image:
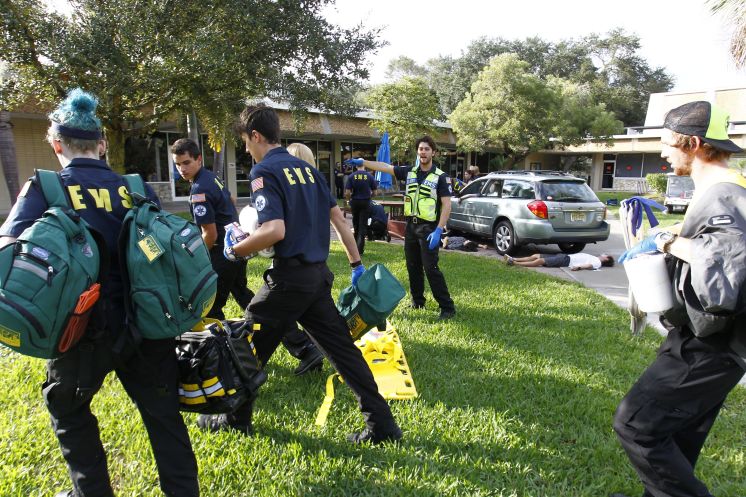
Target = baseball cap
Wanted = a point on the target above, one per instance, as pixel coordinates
(704, 120)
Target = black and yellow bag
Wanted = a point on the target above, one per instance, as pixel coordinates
(218, 367)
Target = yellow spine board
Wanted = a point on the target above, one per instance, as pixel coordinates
(383, 352)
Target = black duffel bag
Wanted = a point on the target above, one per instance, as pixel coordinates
(218, 367)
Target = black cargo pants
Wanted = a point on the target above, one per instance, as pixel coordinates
(419, 257)
(360, 214)
(150, 378)
(297, 292)
(664, 420)
(232, 281)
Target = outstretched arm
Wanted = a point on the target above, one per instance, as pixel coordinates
(581, 266)
(374, 165)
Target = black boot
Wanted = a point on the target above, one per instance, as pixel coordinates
(312, 361)
(376, 437)
(239, 420)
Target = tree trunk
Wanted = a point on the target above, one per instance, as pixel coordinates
(218, 160)
(8, 155)
(192, 126)
(115, 152)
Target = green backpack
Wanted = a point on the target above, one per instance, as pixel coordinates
(49, 277)
(368, 304)
(167, 272)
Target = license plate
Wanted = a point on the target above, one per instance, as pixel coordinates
(577, 216)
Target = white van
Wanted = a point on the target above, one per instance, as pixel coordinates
(679, 192)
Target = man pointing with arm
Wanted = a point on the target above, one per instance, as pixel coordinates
(427, 205)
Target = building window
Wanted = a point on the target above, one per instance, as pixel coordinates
(629, 165)
(654, 163)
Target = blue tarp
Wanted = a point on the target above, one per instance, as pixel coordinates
(384, 155)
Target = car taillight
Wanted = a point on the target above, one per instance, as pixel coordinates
(539, 209)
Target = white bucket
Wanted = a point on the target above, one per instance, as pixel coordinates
(649, 281)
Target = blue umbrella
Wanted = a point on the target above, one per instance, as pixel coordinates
(384, 155)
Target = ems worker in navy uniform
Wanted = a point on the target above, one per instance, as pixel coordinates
(664, 420)
(361, 186)
(295, 206)
(212, 209)
(427, 205)
(147, 371)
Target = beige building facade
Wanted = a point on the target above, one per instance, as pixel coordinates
(621, 165)
(624, 163)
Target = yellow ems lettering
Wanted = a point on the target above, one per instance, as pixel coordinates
(102, 198)
(288, 175)
(76, 197)
(126, 200)
(299, 175)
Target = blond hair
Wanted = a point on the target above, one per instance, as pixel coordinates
(302, 152)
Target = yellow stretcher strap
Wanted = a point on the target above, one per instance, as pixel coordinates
(384, 354)
(326, 405)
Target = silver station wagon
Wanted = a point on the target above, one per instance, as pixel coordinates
(514, 208)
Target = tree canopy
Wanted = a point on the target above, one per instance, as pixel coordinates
(510, 107)
(610, 65)
(406, 109)
(735, 13)
(147, 59)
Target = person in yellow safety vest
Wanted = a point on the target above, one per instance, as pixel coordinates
(427, 205)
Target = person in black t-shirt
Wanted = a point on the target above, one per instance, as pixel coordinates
(361, 186)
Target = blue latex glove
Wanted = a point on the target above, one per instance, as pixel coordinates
(228, 242)
(357, 272)
(354, 162)
(637, 206)
(434, 237)
(647, 245)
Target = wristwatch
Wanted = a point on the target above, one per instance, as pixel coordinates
(664, 240)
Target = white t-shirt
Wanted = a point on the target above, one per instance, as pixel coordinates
(581, 259)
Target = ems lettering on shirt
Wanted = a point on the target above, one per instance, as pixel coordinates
(101, 197)
(298, 175)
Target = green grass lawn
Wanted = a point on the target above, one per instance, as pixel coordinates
(517, 395)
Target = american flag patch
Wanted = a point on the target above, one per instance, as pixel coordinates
(198, 197)
(257, 184)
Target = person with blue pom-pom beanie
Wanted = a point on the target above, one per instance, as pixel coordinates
(147, 370)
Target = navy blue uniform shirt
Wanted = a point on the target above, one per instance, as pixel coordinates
(285, 187)
(210, 202)
(362, 184)
(97, 193)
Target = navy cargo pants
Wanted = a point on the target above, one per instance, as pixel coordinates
(297, 292)
(420, 258)
(150, 378)
(664, 420)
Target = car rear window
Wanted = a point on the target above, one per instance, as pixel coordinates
(567, 191)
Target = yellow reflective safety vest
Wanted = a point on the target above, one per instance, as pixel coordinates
(421, 199)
